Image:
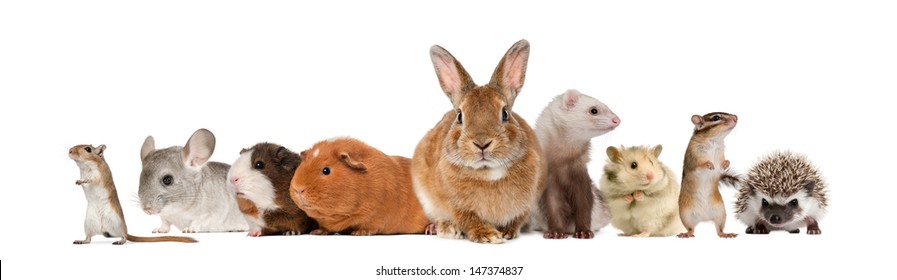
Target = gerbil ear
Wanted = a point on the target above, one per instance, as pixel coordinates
(656, 150)
(357, 165)
(698, 121)
(570, 98)
(288, 160)
(149, 146)
(511, 71)
(614, 154)
(198, 149)
(100, 150)
(453, 79)
(809, 185)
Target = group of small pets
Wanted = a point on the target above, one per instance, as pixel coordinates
(481, 173)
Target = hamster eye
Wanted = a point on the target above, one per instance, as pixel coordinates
(167, 179)
(765, 203)
(504, 115)
(259, 165)
(715, 118)
(460, 118)
(325, 171)
(793, 203)
(594, 111)
(88, 149)
(634, 165)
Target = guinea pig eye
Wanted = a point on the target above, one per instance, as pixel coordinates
(259, 165)
(765, 203)
(715, 118)
(167, 180)
(325, 171)
(634, 165)
(460, 117)
(793, 203)
(594, 111)
(505, 115)
(88, 149)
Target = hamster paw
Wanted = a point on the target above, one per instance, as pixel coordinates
(363, 232)
(554, 235)
(291, 233)
(584, 234)
(726, 164)
(254, 233)
(319, 232)
(430, 229)
(638, 195)
(628, 198)
(485, 235)
(161, 230)
(643, 234)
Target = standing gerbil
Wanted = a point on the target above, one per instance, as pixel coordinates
(571, 203)
(261, 177)
(705, 166)
(350, 187)
(783, 191)
(641, 191)
(104, 213)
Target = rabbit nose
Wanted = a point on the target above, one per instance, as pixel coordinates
(482, 147)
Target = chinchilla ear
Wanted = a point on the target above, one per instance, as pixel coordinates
(198, 149)
(511, 71)
(453, 79)
(149, 146)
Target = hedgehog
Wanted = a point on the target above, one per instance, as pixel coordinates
(783, 191)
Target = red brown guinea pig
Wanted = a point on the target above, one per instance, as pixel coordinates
(352, 188)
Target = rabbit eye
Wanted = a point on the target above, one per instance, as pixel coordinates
(505, 115)
(167, 180)
(765, 203)
(715, 118)
(460, 117)
(634, 165)
(325, 171)
(594, 111)
(793, 203)
(88, 149)
(259, 165)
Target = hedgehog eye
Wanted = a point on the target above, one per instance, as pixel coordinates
(167, 180)
(259, 165)
(594, 111)
(460, 117)
(634, 165)
(793, 203)
(505, 115)
(715, 118)
(325, 171)
(88, 149)
(765, 203)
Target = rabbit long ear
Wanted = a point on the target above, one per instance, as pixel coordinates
(199, 149)
(452, 77)
(511, 71)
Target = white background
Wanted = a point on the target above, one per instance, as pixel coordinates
(811, 76)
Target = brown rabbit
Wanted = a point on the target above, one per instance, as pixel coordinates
(480, 171)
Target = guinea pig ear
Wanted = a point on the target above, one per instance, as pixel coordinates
(100, 150)
(288, 160)
(614, 154)
(149, 146)
(453, 79)
(570, 98)
(357, 165)
(198, 149)
(656, 150)
(698, 121)
(302, 155)
(511, 71)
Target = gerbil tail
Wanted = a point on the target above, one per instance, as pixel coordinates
(161, 239)
(730, 178)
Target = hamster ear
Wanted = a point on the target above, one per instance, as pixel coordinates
(357, 165)
(149, 146)
(698, 121)
(453, 79)
(614, 154)
(656, 150)
(198, 149)
(809, 185)
(288, 160)
(511, 71)
(100, 150)
(570, 98)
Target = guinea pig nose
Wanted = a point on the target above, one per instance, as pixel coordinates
(775, 219)
(235, 180)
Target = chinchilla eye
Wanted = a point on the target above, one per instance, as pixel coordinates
(460, 117)
(594, 111)
(715, 118)
(325, 171)
(259, 165)
(505, 115)
(167, 180)
(634, 165)
(88, 149)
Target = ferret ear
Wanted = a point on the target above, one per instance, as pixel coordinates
(698, 121)
(288, 160)
(357, 165)
(809, 185)
(100, 150)
(656, 150)
(570, 98)
(614, 154)
(149, 146)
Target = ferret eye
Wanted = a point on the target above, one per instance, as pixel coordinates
(765, 203)
(259, 165)
(167, 180)
(88, 149)
(460, 117)
(634, 165)
(594, 111)
(793, 203)
(505, 115)
(715, 118)
(325, 171)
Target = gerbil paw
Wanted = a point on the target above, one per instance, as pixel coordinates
(638, 195)
(189, 230)
(363, 232)
(485, 235)
(79, 242)
(709, 165)
(686, 235)
(161, 230)
(643, 234)
(554, 235)
(628, 198)
(79, 182)
(430, 229)
(727, 235)
(254, 233)
(291, 233)
(118, 242)
(584, 234)
(319, 232)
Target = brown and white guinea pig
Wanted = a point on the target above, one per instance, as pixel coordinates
(349, 187)
(261, 178)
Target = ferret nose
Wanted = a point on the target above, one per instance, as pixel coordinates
(615, 120)
(484, 146)
(775, 219)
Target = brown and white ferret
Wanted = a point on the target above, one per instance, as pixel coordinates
(705, 166)
(104, 213)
